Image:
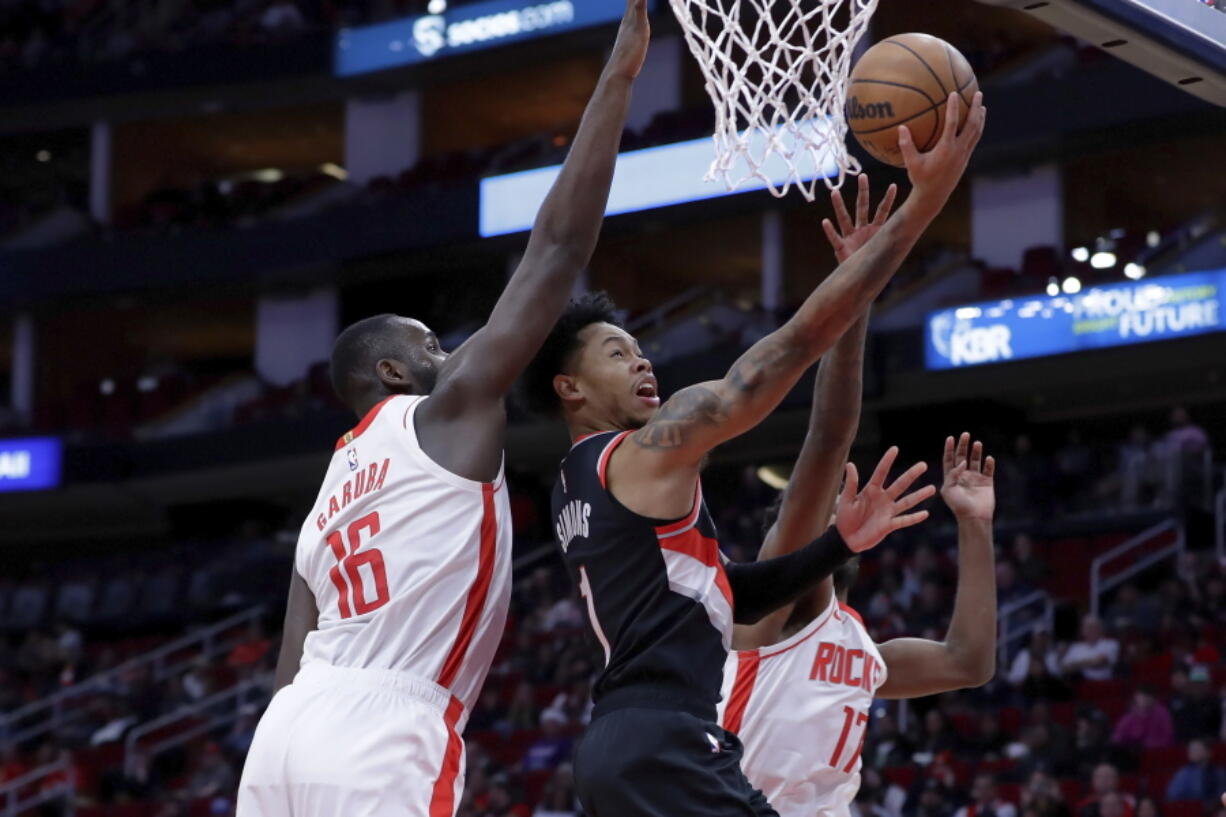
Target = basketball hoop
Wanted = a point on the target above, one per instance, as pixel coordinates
(776, 71)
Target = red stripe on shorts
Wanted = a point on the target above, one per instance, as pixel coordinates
(479, 591)
(442, 800)
(742, 688)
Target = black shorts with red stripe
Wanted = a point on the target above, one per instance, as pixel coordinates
(649, 752)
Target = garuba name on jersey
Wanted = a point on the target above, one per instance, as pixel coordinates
(410, 564)
(801, 709)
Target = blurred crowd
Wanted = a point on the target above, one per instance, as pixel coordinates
(1115, 715)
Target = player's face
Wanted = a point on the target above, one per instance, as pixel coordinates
(613, 377)
(422, 354)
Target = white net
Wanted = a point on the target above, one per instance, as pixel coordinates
(776, 71)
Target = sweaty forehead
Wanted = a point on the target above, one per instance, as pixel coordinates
(412, 327)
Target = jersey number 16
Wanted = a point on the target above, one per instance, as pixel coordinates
(348, 565)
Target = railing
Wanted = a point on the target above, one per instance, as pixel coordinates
(208, 713)
(52, 712)
(1012, 625)
(1219, 520)
(1101, 585)
(15, 803)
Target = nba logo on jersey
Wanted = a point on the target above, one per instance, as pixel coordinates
(353, 459)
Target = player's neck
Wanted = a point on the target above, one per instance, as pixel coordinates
(580, 427)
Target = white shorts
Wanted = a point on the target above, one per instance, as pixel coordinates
(358, 743)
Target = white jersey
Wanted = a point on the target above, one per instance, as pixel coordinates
(801, 709)
(409, 563)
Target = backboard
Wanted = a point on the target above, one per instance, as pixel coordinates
(1180, 41)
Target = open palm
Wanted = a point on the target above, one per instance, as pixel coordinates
(866, 517)
(968, 488)
(851, 236)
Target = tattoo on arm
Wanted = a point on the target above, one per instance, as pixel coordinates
(763, 360)
(696, 405)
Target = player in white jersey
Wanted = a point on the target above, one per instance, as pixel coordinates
(799, 684)
(402, 572)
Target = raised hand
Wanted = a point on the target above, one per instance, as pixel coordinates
(631, 47)
(867, 517)
(968, 487)
(850, 237)
(935, 174)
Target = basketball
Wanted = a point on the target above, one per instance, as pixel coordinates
(905, 79)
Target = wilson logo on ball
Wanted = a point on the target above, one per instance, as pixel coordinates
(873, 110)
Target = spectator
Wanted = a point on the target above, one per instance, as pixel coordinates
(1042, 682)
(1094, 656)
(1104, 782)
(985, 800)
(1131, 610)
(243, 731)
(1031, 568)
(1194, 709)
(488, 711)
(196, 681)
(1200, 779)
(557, 801)
(522, 712)
(565, 614)
(939, 735)
(1147, 724)
(1148, 807)
(989, 741)
(213, 775)
(254, 647)
(1185, 436)
(935, 799)
(552, 747)
(877, 796)
(116, 718)
(282, 17)
(1092, 743)
(1042, 797)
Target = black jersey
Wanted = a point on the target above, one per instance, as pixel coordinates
(657, 597)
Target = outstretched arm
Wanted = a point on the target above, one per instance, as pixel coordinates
(808, 499)
(562, 239)
(700, 417)
(863, 519)
(301, 617)
(967, 657)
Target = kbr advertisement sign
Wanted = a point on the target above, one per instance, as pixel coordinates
(30, 463)
(1173, 306)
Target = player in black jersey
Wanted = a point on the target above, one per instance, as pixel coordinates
(640, 544)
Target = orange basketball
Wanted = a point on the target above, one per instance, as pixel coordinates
(906, 79)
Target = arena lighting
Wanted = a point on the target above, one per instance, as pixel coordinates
(268, 174)
(1134, 271)
(1153, 238)
(146, 383)
(1053, 287)
(437, 6)
(1072, 285)
(1081, 254)
(776, 476)
(43, 156)
(334, 170)
(107, 386)
(1102, 260)
(644, 179)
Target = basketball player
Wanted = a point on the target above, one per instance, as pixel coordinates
(798, 688)
(402, 572)
(640, 543)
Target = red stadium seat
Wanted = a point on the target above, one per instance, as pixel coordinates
(1071, 789)
(1183, 808)
(1011, 792)
(902, 776)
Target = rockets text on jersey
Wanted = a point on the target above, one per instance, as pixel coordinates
(801, 709)
(410, 564)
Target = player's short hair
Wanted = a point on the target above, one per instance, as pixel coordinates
(355, 352)
(844, 575)
(535, 391)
